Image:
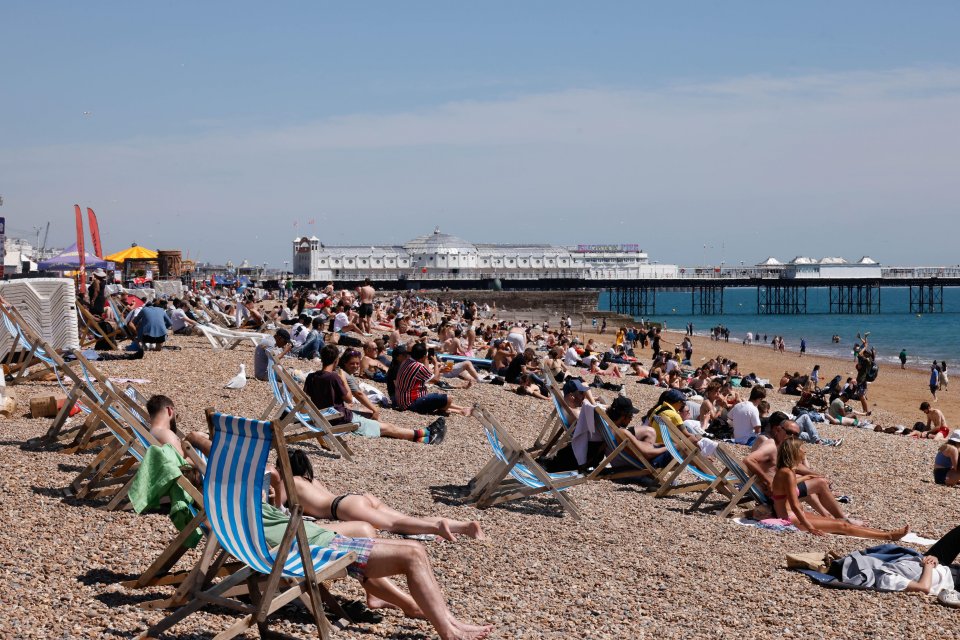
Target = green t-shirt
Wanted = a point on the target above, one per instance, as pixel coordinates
(275, 525)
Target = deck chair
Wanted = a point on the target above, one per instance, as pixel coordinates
(27, 349)
(94, 331)
(691, 459)
(227, 339)
(558, 428)
(626, 459)
(512, 473)
(745, 481)
(232, 493)
(292, 407)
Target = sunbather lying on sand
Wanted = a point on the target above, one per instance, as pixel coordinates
(320, 502)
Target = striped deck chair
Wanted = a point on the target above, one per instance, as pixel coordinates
(293, 408)
(512, 472)
(690, 459)
(746, 482)
(90, 325)
(232, 490)
(558, 428)
(622, 454)
(28, 348)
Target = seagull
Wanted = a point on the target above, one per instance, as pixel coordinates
(239, 381)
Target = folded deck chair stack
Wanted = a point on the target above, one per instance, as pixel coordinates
(28, 349)
(233, 487)
(512, 473)
(47, 307)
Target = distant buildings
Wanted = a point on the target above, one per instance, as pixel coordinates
(440, 256)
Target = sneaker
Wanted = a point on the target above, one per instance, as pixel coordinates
(949, 598)
(844, 499)
(838, 442)
(437, 431)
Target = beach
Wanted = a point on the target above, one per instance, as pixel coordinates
(634, 567)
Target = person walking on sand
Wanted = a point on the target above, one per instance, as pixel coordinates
(944, 381)
(934, 380)
(803, 347)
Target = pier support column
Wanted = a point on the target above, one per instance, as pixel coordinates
(781, 299)
(634, 301)
(926, 298)
(855, 298)
(707, 300)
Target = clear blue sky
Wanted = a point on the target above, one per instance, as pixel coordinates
(754, 128)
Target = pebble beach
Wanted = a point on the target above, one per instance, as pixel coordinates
(634, 567)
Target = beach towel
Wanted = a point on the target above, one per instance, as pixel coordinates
(157, 478)
(775, 524)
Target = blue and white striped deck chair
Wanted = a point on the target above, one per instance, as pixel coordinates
(623, 455)
(690, 459)
(27, 349)
(558, 428)
(292, 406)
(746, 485)
(95, 330)
(513, 473)
(232, 497)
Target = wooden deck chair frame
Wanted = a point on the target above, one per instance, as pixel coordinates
(494, 483)
(95, 332)
(198, 591)
(748, 488)
(222, 338)
(693, 460)
(554, 434)
(621, 447)
(25, 349)
(328, 436)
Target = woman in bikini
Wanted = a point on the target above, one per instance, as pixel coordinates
(786, 501)
(319, 502)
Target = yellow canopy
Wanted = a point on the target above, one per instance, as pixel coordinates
(135, 252)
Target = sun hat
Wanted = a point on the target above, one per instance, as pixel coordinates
(954, 436)
(100, 273)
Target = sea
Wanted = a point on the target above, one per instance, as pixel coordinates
(926, 337)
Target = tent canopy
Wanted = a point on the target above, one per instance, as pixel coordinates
(135, 252)
(69, 260)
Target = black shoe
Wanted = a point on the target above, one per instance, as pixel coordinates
(437, 431)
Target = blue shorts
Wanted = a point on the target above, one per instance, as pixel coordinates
(430, 403)
(368, 428)
(661, 460)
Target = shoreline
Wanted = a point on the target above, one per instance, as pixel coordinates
(894, 398)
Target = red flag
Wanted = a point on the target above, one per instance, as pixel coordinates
(80, 251)
(94, 233)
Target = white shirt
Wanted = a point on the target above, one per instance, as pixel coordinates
(340, 321)
(178, 319)
(298, 335)
(895, 576)
(571, 357)
(671, 365)
(744, 418)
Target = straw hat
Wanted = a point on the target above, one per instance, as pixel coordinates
(100, 273)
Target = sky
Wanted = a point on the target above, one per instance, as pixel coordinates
(706, 132)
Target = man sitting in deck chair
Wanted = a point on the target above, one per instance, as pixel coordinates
(327, 388)
(279, 344)
(672, 406)
(813, 487)
(163, 426)
(411, 386)
(643, 437)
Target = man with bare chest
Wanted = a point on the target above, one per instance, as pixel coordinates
(365, 294)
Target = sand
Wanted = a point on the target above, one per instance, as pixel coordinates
(635, 567)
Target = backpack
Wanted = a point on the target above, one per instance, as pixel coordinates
(872, 373)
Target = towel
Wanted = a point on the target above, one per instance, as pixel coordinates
(156, 478)
(584, 432)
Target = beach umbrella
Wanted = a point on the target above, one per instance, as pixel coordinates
(135, 252)
(69, 260)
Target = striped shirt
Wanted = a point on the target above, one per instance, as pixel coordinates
(411, 382)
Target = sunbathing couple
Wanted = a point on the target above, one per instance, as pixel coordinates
(377, 558)
(780, 465)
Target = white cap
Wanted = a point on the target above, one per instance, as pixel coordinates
(954, 436)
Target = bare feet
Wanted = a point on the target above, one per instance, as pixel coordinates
(464, 631)
(374, 602)
(443, 530)
(474, 530)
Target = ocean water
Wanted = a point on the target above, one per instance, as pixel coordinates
(926, 337)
